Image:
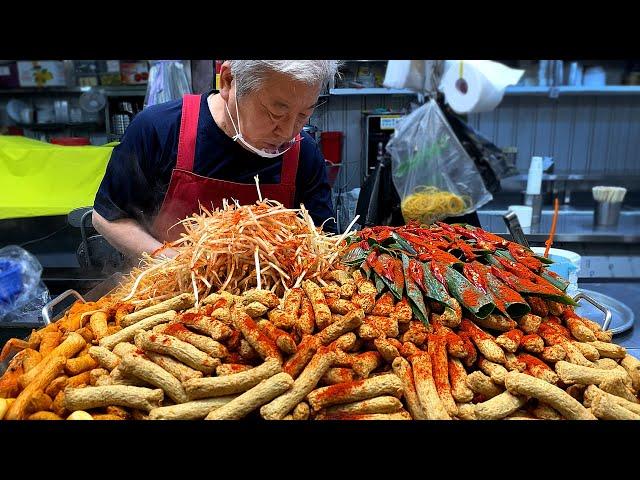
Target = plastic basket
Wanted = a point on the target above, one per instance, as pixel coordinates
(10, 281)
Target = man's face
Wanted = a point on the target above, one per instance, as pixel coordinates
(275, 113)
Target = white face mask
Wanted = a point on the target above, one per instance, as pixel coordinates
(262, 152)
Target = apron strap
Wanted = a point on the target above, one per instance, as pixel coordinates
(188, 132)
(290, 164)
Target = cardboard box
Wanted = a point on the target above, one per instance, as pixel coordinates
(110, 78)
(41, 73)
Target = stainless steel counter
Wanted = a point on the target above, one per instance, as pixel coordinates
(628, 293)
(573, 226)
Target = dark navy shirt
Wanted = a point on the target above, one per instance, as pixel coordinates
(139, 171)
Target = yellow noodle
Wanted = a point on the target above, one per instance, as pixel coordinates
(429, 204)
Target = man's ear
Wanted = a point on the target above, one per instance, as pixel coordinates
(225, 80)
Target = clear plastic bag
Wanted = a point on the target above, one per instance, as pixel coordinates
(22, 293)
(434, 175)
(31, 311)
(168, 81)
(345, 205)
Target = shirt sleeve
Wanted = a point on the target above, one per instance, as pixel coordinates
(125, 190)
(314, 190)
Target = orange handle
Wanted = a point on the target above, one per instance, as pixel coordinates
(549, 241)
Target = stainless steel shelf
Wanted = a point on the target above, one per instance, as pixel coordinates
(110, 91)
(43, 90)
(134, 91)
(574, 226)
(512, 90)
(579, 177)
(571, 90)
(371, 91)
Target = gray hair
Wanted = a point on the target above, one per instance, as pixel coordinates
(250, 74)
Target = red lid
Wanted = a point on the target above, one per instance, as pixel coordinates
(71, 141)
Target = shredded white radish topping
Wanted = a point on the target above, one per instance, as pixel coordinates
(237, 247)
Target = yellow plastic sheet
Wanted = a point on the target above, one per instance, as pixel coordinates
(38, 178)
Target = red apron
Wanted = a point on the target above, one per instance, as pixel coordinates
(187, 190)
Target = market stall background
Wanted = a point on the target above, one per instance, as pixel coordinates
(590, 131)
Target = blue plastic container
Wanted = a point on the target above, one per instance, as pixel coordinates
(10, 281)
(566, 264)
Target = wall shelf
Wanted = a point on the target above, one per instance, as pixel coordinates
(371, 91)
(109, 91)
(123, 91)
(512, 90)
(571, 90)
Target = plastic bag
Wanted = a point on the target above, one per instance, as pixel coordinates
(434, 175)
(345, 206)
(493, 164)
(31, 311)
(22, 293)
(167, 81)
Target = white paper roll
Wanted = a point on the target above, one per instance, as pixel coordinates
(485, 80)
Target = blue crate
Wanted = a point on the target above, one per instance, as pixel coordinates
(10, 281)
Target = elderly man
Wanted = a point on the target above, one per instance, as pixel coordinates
(196, 151)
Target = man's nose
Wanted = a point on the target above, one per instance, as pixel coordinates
(286, 129)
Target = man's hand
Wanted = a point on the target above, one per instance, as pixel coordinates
(167, 252)
(129, 237)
